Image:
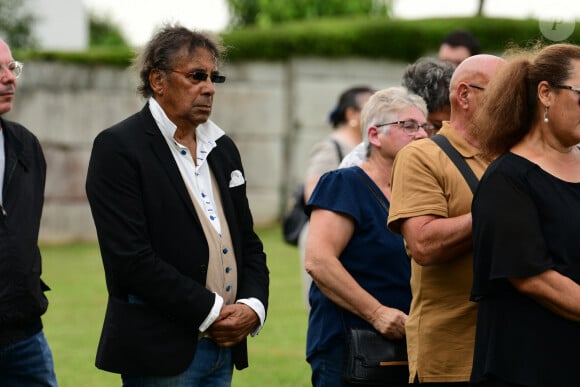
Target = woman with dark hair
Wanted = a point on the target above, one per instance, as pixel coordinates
(345, 120)
(526, 217)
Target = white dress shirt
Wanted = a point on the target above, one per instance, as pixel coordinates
(198, 179)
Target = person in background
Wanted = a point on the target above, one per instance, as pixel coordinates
(429, 78)
(25, 356)
(186, 273)
(526, 217)
(457, 46)
(430, 207)
(360, 269)
(327, 154)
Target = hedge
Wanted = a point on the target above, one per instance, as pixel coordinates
(403, 40)
(383, 38)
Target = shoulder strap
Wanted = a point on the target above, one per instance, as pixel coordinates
(458, 160)
(338, 150)
(383, 203)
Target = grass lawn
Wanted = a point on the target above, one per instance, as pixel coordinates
(77, 306)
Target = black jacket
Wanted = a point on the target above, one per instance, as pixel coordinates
(153, 246)
(22, 299)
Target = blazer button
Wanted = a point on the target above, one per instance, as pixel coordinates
(225, 250)
(203, 269)
(228, 288)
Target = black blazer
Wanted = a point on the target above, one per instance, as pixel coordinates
(22, 299)
(153, 246)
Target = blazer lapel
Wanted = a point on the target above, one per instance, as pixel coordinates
(221, 174)
(162, 152)
(13, 154)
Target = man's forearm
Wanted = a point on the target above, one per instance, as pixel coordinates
(433, 240)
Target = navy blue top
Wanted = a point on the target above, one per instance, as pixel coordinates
(374, 256)
(525, 221)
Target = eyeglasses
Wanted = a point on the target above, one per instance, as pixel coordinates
(202, 76)
(476, 87)
(14, 67)
(412, 127)
(575, 89)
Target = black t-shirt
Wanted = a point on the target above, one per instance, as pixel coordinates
(525, 221)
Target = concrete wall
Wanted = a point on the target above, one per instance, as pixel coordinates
(274, 112)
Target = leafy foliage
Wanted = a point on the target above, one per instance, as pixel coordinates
(363, 37)
(107, 45)
(377, 37)
(265, 13)
(16, 24)
(104, 33)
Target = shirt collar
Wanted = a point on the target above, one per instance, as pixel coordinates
(206, 133)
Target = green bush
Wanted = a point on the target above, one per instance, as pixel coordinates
(380, 38)
(384, 38)
(113, 56)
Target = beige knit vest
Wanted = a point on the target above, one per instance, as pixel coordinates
(222, 272)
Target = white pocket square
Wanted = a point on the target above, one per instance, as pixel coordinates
(236, 178)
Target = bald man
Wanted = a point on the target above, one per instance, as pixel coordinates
(431, 208)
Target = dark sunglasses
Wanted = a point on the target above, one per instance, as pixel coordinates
(202, 76)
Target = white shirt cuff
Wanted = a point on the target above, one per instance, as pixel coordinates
(214, 313)
(257, 307)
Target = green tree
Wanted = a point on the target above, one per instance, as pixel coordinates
(105, 33)
(264, 13)
(16, 24)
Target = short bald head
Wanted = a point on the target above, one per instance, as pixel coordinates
(478, 68)
(467, 86)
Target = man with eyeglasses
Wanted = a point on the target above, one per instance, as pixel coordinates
(431, 208)
(25, 356)
(186, 273)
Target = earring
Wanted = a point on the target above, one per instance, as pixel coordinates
(546, 120)
(352, 124)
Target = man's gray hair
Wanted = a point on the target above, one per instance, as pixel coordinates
(430, 78)
(166, 47)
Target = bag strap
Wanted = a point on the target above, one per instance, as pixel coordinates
(338, 150)
(382, 202)
(458, 160)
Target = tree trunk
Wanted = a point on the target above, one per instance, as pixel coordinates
(480, 8)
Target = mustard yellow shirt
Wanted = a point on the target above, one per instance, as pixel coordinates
(441, 325)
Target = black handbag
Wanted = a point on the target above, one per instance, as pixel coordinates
(295, 219)
(373, 360)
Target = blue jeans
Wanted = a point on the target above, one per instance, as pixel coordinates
(327, 367)
(27, 363)
(212, 366)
